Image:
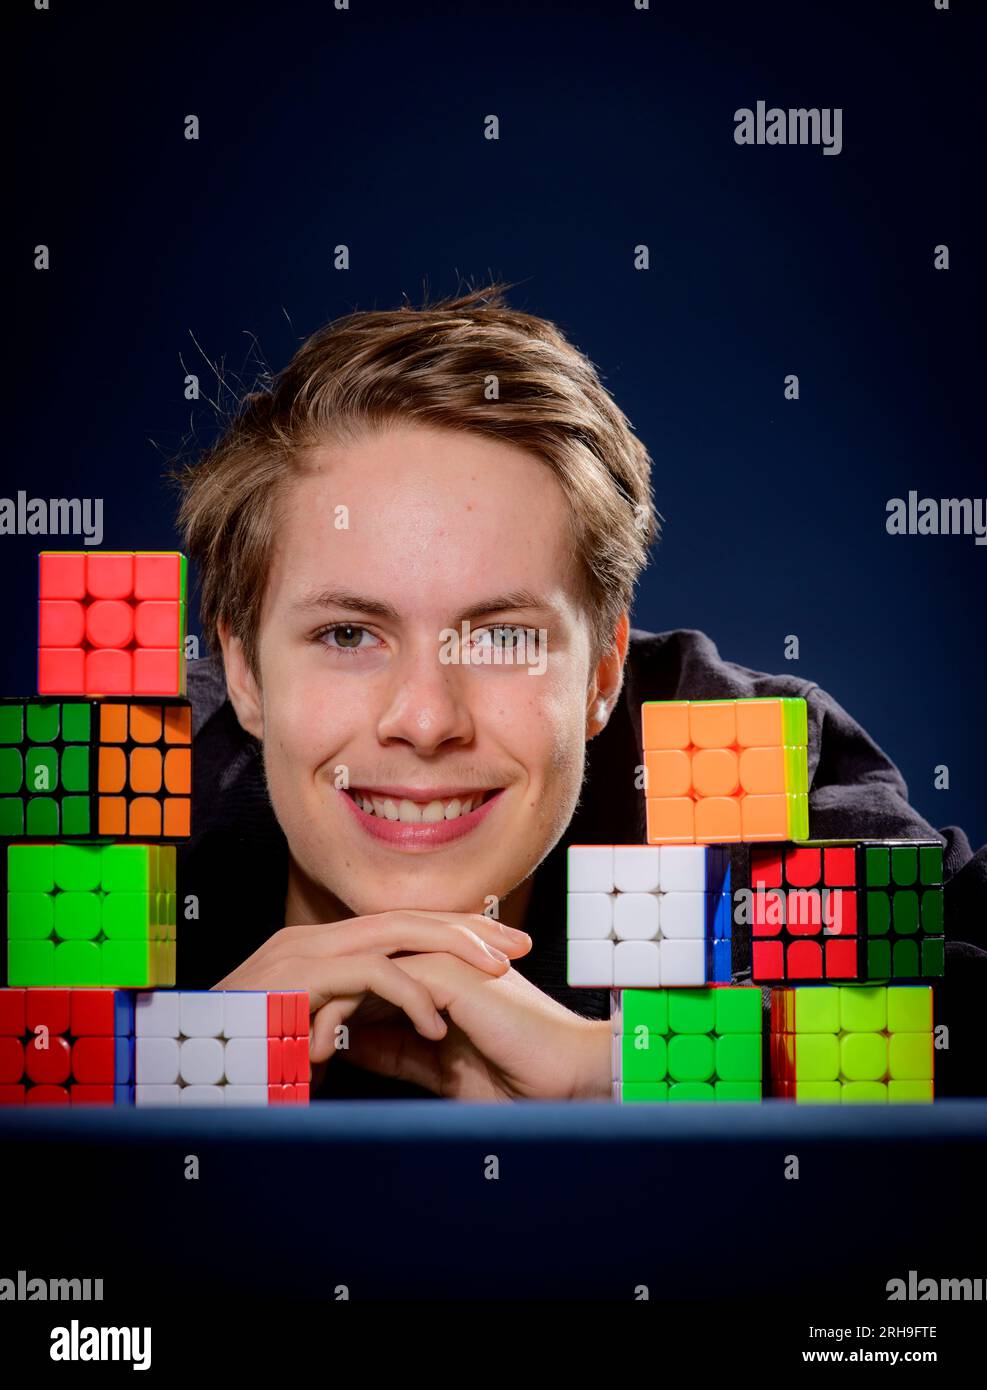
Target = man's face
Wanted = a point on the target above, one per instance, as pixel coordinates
(400, 778)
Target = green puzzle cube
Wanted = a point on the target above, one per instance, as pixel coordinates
(870, 1043)
(902, 917)
(45, 768)
(91, 914)
(687, 1044)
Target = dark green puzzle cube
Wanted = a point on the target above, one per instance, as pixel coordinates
(902, 936)
(45, 768)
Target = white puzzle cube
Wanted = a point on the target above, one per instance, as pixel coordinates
(648, 916)
(221, 1047)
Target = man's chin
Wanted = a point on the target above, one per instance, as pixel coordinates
(364, 906)
(368, 892)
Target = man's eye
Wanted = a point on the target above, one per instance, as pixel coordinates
(507, 638)
(344, 637)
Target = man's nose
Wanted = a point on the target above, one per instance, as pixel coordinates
(427, 703)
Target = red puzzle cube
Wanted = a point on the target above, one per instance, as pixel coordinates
(112, 623)
(66, 1047)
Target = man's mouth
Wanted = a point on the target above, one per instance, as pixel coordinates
(420, 818)
(425, 808)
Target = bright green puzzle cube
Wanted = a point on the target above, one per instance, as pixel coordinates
(687, 1044)
(852, 1043)
(91, 914)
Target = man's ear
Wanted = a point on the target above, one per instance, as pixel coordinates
(607, 679)
(241, 684)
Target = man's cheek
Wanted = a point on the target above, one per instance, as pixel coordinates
(293, 762)
(533, 708)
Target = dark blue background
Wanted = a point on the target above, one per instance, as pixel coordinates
(366, 127)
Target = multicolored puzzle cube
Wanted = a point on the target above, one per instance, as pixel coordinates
(687, 1044)
(847, 910)
(222, 1047)
(119, 768)
(871, 1043)
(90, 914)
(66, 1047)
(112, 623)
(721, 771)
(647, 915)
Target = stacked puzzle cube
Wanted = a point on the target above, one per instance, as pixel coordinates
(95, 790)
(846, 934)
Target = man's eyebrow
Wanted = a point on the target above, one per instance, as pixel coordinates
(342, 599)
(499, 603)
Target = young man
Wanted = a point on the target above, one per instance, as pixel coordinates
(382, 806)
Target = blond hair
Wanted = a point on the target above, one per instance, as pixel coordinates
(432, 366)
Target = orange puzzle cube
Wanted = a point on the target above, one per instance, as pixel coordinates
(726, 770)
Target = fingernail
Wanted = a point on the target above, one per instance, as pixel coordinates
(492, 951)
(516, 931)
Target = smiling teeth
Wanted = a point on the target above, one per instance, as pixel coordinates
(413, 813)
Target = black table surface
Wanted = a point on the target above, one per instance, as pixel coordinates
(425, 1200)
